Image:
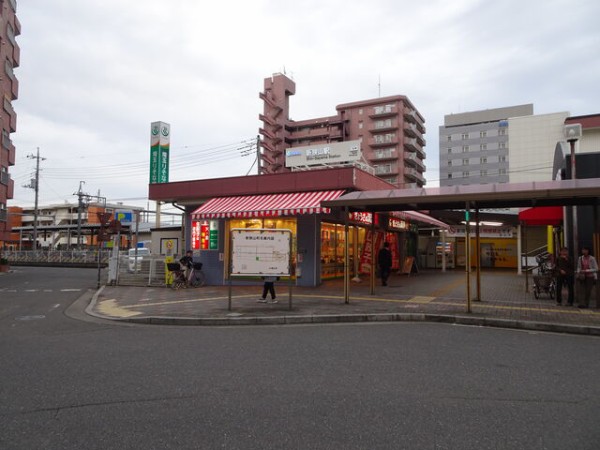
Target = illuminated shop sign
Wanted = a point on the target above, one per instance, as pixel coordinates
(362, 217)
(205, 235)
(397, 224)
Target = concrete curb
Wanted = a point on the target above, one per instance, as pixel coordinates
(350, 318)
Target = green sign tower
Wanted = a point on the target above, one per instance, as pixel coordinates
(160, 141)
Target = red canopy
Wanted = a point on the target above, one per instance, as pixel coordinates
(542, 215)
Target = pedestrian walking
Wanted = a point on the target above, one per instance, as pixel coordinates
(587, 273)
(384, 261)
(565, 276)
(268, 288)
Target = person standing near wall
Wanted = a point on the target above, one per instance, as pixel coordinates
(587, 273)
(384, 261)
(565, 276)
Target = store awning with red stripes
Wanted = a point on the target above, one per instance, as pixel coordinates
(268, 205)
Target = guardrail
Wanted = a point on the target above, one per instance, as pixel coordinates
(57, 257)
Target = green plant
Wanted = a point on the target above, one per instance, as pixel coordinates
(3, 261)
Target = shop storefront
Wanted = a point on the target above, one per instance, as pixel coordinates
(318, 235)
(290, 201)
(497, 247)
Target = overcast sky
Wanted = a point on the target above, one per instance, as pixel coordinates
(94, 74)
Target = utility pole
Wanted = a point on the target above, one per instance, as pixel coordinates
(35, 184)
(80, 207)
(258, 154)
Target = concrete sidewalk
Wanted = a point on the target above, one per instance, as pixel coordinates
(426, 296)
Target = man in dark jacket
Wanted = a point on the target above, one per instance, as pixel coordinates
(565, 276)
(384, 261)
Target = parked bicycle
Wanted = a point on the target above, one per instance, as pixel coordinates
(195, 276)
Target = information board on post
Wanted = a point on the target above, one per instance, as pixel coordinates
(260, 252)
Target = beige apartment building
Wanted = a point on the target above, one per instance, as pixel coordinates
(390, 129)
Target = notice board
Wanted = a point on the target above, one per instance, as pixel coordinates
(260, 252)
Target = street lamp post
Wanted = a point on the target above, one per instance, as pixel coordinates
(573, 134)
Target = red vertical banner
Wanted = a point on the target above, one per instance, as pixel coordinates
(392, 238)
(195, 235)
(204, 236)
(366, 258)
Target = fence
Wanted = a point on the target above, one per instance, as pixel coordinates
(145, 271)
(57, 257)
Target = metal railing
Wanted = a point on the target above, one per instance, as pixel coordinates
(529, 262)
(51, 257)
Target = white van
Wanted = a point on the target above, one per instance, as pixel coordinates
(141, 254)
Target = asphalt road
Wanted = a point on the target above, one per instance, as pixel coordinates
(68, 381)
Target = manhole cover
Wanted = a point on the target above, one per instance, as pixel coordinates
(38, 317)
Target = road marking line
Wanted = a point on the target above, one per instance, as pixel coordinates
(70, 290)
(421, 299)
(31, 290)
(110, 308)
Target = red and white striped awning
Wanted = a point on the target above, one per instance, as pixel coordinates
(268, 205)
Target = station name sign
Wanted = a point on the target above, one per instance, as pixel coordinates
(322, 154)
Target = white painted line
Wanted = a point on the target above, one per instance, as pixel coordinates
(70, 290)
(31, 290)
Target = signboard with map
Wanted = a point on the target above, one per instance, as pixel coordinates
(260, 252)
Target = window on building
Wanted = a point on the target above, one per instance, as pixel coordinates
(449, 162)
(449, 151)
(465, 136)
(383, 168)
(482, 134)
(360, 125)
(384, 138)
(465, 174)
(483, 147)
(465, 148)
(502, 158)
(502, 171)
(383, 109)
(8, 69)
(387, 123)
(465, 162)
(384, 153)
(449, 137)
(502, 145)
(10, 34)
(483, 173)
(483, 160)
(449, 175)
(392, 180)
(502, 132)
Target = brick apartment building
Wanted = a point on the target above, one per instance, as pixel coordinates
(9, 86)
(391, 130)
